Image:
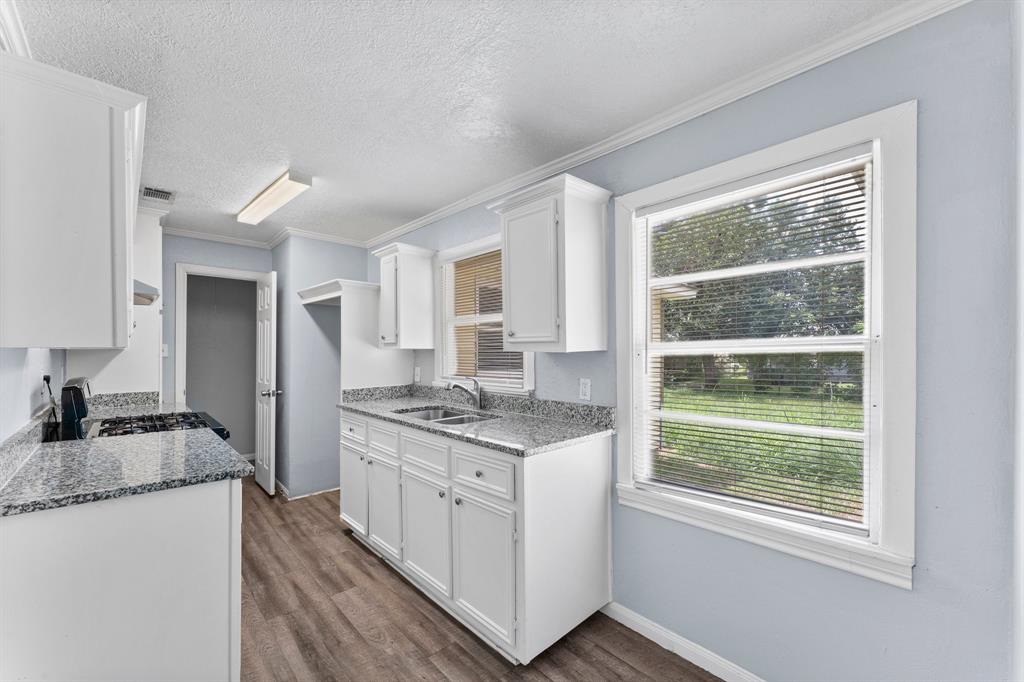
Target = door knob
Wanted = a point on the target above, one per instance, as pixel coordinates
(265, 394)
(511, 333)
(278, 392)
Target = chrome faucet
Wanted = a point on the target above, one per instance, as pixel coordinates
(473, 393)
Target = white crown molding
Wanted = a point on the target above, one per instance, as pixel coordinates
(319, 236)
(146, 208)
(12, 33)
(210, 237)
(897, 19)
(679, 645)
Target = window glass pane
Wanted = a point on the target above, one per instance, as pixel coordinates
(823, 217)
(820, 301)
(478, 353)
(806, 473)
(814, 389)
(478, 285)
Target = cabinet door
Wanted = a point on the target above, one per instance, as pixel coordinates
(484, 565)
(389, 299)
(353, 488)
(426, 530)
(68, 201)
(385, 518)
(529, 263)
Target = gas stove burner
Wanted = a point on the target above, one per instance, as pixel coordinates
(154, 423)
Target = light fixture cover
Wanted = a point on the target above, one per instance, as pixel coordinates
(279, 193)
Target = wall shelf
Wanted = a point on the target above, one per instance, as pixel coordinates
(329, 292)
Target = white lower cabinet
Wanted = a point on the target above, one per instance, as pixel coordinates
(427, 529)
(384, 526)
(517, 549)
(485, 563)
(353, 488)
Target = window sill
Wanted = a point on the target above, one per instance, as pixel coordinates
(490, 389)
(829, 548)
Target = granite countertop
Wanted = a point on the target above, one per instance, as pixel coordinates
(516, 434)
(73, 472)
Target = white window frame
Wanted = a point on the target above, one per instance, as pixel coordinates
(887, 552)
(441, 260)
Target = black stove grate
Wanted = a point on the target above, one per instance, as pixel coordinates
(151, 423)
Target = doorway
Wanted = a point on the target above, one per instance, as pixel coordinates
(220, 363)
(225, 357)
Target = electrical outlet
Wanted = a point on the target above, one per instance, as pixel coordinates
(416, 375)
(584, 388)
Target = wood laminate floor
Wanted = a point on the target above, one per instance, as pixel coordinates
(317, 605)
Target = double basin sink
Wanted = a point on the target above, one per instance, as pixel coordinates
(444, 416)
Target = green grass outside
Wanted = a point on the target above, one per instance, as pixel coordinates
(811, 474)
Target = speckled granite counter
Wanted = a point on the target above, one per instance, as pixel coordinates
(516, 434)
(74, 472)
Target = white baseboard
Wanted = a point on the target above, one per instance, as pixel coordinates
(288, 496)
(249, 456)
(679, 645)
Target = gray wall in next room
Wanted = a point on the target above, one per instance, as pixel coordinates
(221, 355)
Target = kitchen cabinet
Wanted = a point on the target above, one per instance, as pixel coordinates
(484, 563)
(69, 181)
(354, 490)
(515, 548)
(406, 317)
(554, 266)
(384, 523)
(426, 529)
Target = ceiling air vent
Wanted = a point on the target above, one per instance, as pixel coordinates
(155, 194)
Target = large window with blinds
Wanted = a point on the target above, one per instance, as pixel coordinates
(473, 337)
(758, 342)
(760, 377)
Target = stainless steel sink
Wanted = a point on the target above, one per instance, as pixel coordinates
(443, 415)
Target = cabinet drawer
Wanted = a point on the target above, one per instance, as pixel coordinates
(426, 454)
(353, 429)
(490, 475)
(383, 439)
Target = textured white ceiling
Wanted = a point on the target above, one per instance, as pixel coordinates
(399, 108)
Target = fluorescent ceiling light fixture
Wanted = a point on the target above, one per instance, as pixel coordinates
(279, 193)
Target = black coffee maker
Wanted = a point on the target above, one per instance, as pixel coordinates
(74, 408)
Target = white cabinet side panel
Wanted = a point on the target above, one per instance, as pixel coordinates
(132, 588)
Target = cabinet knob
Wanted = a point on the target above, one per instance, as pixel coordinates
(479, 474)
(370, 461)
(458, 500)
(361, 458)
(511, 333)
(381, 337)
(351, 430)
(440, 493)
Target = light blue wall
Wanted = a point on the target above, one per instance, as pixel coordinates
(21, 380)
(308, 362)
(199, 252)
(790, 619)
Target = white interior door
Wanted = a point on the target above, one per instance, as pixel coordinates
(266, 379)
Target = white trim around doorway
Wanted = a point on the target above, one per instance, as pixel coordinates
(181, 273)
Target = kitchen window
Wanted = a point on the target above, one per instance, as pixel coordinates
(472, 325)
(763, 399)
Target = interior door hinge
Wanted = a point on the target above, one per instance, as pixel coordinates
(515, 535)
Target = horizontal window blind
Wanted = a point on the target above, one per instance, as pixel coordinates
(780, 428)
(474, 340)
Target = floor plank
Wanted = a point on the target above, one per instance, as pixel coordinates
(318, 605)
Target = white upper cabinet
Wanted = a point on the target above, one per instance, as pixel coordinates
(406, 297)
(554, 266)
(69, 180)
